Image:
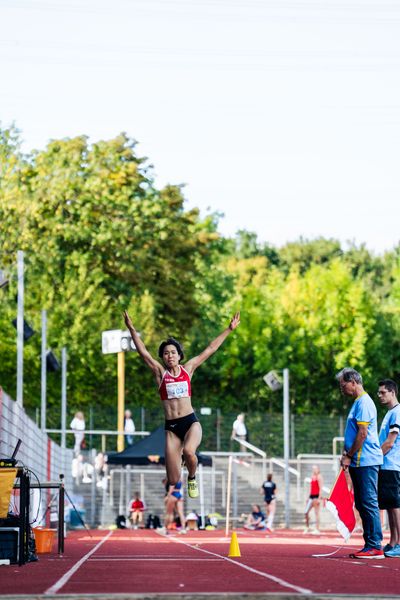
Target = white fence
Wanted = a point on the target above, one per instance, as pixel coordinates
(37, 452)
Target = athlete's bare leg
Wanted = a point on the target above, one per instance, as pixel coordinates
(173, 457)
(179, 510)
(169, 511)
(191, 443)
(394, 524)
(307, 512)
(271, 513)
(316, 510)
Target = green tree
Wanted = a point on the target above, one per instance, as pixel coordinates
(98, 237)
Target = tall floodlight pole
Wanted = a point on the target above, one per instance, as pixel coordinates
(274, 382)
(63, 397)
(43, 372)
(20, 328)
(121, 399)
(286, 443)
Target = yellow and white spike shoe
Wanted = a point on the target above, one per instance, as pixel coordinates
(192, 487)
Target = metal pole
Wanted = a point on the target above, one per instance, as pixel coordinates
(218, 429)
(228, 496)
(286, 440)
(93, 505)
(121, 399)
(91, 426)
(142, 488)
(63, 398)
(201, 490)
(223, 487)
(61, 519)
(213, 487)
(235, 490)
(44, 371)
(20, 328)
(121, 491)
(292, 440)
(128, 492)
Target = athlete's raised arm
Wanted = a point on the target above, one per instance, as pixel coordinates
(153, 364)
(213, 346)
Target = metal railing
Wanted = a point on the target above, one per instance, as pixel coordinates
(102, 432)
(292, 471)
(256, 451)
(125, 492)
(335, 440)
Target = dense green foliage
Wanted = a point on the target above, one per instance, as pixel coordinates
(98, 237)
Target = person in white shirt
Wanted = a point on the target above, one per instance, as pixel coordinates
(78, 426)
(239, 430)
(129, 427)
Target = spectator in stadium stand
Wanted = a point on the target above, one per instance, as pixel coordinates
(129, 427)
(136, 511)
(239, 430)
(78, 427)
(268, 489)
(389, 473)
(100, 467)
(182, 428)
(362, 455)
(314, 499)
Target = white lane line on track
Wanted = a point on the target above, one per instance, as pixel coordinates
(278, 580)
(151, 558)
(63, 580)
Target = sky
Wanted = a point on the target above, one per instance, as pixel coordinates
(282, 115)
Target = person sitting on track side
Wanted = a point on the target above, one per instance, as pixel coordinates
(136, 511)
(182, 428)
(256, 519)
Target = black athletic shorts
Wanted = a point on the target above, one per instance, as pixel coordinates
(269, 499)
(388, 489)
(181, 426)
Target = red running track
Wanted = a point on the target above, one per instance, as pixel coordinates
(133, 562)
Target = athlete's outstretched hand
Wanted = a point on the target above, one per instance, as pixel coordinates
(235, 321)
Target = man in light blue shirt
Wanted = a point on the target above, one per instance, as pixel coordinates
(362, 455)
(389, 473)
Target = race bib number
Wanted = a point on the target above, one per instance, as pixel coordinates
(177, 389)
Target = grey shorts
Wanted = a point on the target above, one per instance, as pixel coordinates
(388, 489)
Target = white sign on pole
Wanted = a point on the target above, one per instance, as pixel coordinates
(273, 381)
(116, 340)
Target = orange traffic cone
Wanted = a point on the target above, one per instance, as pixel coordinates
(234, 550)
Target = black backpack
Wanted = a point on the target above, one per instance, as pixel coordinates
(120, 522)
(153, 522)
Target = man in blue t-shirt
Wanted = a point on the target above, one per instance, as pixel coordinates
(362, 455)
(389, 473)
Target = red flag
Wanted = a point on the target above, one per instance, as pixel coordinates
(340, 504)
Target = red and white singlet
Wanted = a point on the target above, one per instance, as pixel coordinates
(175, 387)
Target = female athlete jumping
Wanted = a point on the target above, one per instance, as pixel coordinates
(182, 428)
